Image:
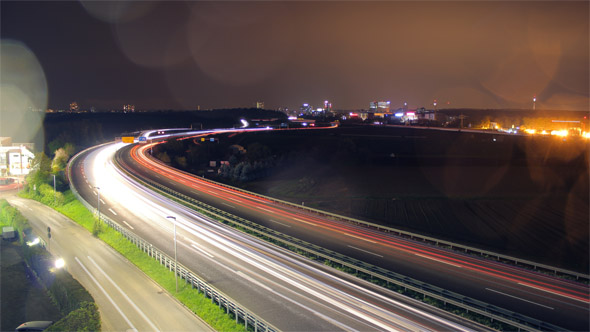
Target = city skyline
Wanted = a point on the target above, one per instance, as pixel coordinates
(189, 55)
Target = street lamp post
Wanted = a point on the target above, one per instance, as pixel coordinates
(175, 257)
(54, 193)
(98, 201)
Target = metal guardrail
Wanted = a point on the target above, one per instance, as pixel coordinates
(447, 297)
(414, 236)
(216, 296)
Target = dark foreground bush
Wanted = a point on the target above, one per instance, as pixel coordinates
(85, 318)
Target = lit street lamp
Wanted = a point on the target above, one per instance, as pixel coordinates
(59, 263)
(34, 242)
(175, 259)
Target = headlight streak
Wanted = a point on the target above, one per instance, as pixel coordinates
(489, 268)
(155, 213)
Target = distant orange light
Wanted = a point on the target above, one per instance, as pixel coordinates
(561, 133)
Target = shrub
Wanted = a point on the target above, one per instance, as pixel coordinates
(85, 318)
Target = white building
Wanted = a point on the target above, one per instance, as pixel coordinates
(15, 158)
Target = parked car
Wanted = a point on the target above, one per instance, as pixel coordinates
(36, 325)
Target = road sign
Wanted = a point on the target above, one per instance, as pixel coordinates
(142, 139)
(127, 139)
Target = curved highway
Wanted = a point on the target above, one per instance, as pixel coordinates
(556, 301)
(284, 289)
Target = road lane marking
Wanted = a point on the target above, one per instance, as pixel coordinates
(89, 186)
(113, 212)
(307, 222)
(267, 210)
(102, 201)
(154, 327)
(280, 223)
(554, 293)
(235, 200)
(94, 192)
(126, 223)
(363, 250)
(231, 206)
(518, 298)
(195, 192)
(287, 298)
(202, 251)
(438, 260)
(106, 294)
(358, 237)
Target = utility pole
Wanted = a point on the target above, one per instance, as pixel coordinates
(54, 193)
(175, 257)
(98, 201)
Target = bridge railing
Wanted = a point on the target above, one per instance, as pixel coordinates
(231, 306)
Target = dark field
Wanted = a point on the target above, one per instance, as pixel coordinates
(522, 196)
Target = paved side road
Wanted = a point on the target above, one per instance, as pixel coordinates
(126, 297)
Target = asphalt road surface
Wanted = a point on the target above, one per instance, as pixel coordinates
(559, 302)
(286, 290)
(127, 299)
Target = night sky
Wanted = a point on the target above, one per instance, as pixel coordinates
(181, 55)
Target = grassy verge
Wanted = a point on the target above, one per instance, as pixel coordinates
(190, 297)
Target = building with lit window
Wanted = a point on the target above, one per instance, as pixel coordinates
(15, 158)
(74, 107)
(305, 109)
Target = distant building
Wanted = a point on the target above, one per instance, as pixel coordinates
(15, 158)
(128, 108)
(379, 106)
(74, 107)
(327, 107)
(305, 109)
(379, 109)
(260, 105)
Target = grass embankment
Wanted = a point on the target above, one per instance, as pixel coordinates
(33, 290)
(190, 297)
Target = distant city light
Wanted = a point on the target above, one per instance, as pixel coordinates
(562, 133)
